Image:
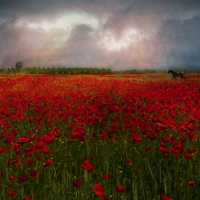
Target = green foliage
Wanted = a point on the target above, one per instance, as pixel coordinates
(64, 70)
(8, 70)
(19, 65)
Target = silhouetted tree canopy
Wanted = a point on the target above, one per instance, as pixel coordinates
(19, 65)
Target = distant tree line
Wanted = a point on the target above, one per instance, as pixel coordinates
(130, 71)
(55, 70)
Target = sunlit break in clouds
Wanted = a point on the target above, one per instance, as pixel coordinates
(121, 35)
(68, 22)
(128, 37)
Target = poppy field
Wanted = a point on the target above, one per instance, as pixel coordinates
(99, 137)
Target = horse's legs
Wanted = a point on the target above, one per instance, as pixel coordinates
(183, 77)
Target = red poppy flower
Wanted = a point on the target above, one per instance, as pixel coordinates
(77, 183)
(136, 139)
(28, 151)
(27, 198)
(12, 177)
(120, 188)
(98, 189)
(71, 126)
(34, 173)
(69, 141)
(147, 149)
(78, 134)
(191, 150)
(11, 193)
(103, 136)
(137, 170)
(39, 157)
(2, 149)
(192, 136)
(46, 139)
(87, 166)
(105, 176)
(188, 156)
(9, 139)
(128, 161)
(46, 150)
(40, 145)
(93, 155)
(191, 127)
(57, 134)
(31, 119)
(182, 139)
(166, 152)
(90, 167)
(15, 162)
(1, 122)
(166, 139)
(23, 177)
(17, 151)
(152, 136)
(23, 140)
(165, 197)
(104, 198)
(29, 161)
(191, 183)
(47, 163)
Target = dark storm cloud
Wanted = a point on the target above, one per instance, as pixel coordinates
(52, 8)
(49, 8)
(183, 39)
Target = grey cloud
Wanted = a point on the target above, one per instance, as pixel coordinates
(81, 49)
(183, 40)
(40, 48)
(18, 43)
(149, 15)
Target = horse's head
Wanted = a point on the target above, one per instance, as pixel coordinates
(171, 71)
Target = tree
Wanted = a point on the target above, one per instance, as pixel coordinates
(19, 65)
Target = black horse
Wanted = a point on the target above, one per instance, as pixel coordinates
(177, 74)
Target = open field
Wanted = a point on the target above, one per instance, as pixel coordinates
(99, 137)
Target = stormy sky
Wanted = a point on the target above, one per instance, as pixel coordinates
(121, 34)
